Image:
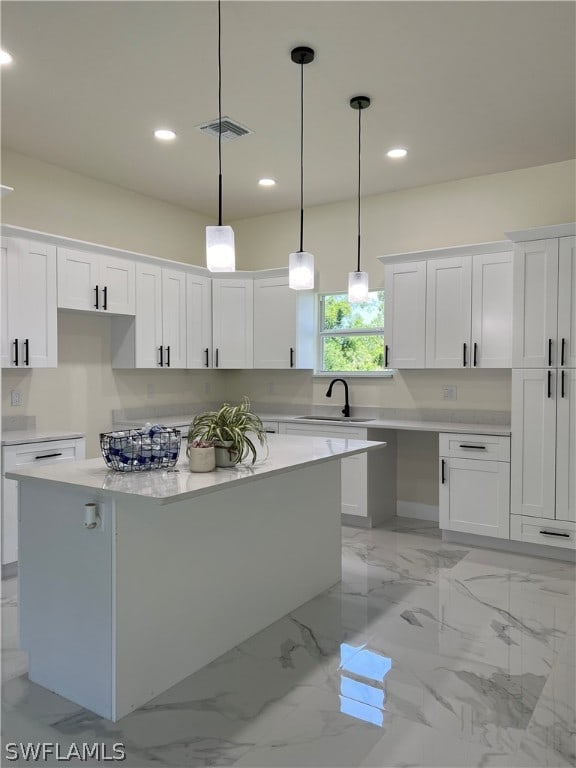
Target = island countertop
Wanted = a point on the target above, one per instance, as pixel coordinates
(286, 453)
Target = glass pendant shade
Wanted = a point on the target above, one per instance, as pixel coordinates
(220, 254)
(357, 286)
(301, 271)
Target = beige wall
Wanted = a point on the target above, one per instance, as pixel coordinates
(51, 199)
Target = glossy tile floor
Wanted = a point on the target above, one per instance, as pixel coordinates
(427, 654)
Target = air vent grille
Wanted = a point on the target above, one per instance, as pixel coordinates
(230, 129)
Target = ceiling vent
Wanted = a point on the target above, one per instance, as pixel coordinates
(230, 129)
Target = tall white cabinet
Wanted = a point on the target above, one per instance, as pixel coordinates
(29, 304)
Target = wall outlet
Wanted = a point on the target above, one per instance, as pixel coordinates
(15, 397)
(149, 391)
(449, 392)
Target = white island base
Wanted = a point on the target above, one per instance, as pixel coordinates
(113, 616)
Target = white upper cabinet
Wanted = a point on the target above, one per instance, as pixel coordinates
(536, 304)
(232, 323)
(199, 321)
(448, 312)
(567, 302)
(405, 315)
(29, 320)
(95, 282)
(174, 318)
(492, 310)
(283, 325)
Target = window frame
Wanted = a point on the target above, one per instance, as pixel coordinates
(319, 372)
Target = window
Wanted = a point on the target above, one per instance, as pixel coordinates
(351, 335)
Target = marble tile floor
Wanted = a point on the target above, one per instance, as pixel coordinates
(426, 654)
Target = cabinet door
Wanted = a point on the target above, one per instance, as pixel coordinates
(198, 321)
(492, 310)
(405, 314)
(174, 317)
(567, 302)
(148, 315)
(533, 447)
(232, 323)
(78, 276)
(274, 323)
(535, 322)
(566, 446)
(6, 328)
(475, 497)
(448, 312)
(117, 277)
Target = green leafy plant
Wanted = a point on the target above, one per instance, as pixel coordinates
(230, 425)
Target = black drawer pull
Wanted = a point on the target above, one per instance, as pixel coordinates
(555, 533)
(387, 352)
(270, 431)
(26, 351)
(15, 351)
(443, 465)
(47, 456)
(105, 303)
(464, 356)
(206, 353)
(549, 351)
(97, 305)
(291, 357)
(474, 447)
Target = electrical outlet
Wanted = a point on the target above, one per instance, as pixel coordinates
(15, 397)
(449, 392)
(150, 391)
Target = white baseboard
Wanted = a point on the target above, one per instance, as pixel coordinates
(416, 509)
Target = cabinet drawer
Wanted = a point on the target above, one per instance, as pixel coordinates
(49, 452)
(484, 447)
(539, 530)
(270, 426)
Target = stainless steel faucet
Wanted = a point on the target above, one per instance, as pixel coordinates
(346, 409)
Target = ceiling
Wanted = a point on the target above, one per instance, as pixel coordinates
(469, 88)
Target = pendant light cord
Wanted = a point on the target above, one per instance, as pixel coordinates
(219, 116)
(359, 178)
(301, 156)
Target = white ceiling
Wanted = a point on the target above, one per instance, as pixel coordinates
(469, 88)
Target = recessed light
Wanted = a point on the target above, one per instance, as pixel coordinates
(164, 134)
(5, 57)
(399, 152)
(267, 182)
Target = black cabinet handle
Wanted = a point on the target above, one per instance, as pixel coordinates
(15, 351)
(26, 351)
(161, 357)
(464, 355)
(562, 351)
(47, 456)
(105, 303)
(549, 383)
(206, 353)
(475, 354)
(549, 351)
(562, 392)
(168, 356)
(291, 357)
(443, 465)
(555, 533)
(475, 447)
(97, 305)
(216, 357)
(386, 353)
(270, 431)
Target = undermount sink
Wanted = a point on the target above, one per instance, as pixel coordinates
(341, 419)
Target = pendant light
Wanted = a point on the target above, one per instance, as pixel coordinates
(301, 263)
(358, 281)
(220, 256)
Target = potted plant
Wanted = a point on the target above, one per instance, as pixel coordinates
(233, 430)
(201, 456)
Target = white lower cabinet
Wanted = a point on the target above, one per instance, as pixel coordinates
(368, 480)
(475, 484)
(26, 454)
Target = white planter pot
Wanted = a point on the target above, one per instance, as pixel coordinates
(201, 459)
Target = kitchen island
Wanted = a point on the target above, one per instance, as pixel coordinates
(178, 569)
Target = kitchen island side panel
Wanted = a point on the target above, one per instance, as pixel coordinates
(65, 594)
(199, 576)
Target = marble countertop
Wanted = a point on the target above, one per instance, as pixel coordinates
(416, 425)
(19, 436)
(286, 453)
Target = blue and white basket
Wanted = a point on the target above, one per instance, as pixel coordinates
(139, 450)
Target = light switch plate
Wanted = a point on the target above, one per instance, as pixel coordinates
(15, 397)
(449, 392)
